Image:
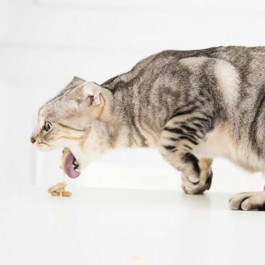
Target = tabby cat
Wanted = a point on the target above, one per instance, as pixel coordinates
(192, 105)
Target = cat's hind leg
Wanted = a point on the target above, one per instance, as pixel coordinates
(182, 133)
(248, 201)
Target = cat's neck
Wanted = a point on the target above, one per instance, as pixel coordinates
(105, 109)
(116, 127)
(110, 126)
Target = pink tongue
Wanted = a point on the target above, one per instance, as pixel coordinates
(68, 169)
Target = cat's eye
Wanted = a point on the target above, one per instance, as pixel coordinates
(47, 126)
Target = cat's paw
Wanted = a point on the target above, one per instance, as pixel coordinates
(248, 201)
(198, 187)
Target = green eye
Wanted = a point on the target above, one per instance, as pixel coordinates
(47, 126)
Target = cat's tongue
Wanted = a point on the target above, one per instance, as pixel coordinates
(70, 166)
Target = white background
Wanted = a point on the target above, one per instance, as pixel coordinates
(44, 43)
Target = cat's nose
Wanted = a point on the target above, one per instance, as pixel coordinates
(32, 139)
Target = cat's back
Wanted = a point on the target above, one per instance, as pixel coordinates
(248, 61)
(240, 57)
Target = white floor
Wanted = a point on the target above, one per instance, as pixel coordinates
(126, 227)
(105, 223)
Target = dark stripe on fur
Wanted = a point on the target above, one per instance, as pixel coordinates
(173, 139)
(69, 127)
(192, 138)
(188, 138)
(253, 130)
(143, 139)
(174, 130)
(186, 146)
(189, 129)
(183, 111)
(190, 158)
(170, 147)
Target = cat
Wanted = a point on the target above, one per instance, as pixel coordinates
(191, 105)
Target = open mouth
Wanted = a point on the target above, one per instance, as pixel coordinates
(71, 166)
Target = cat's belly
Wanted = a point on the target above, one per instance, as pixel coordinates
(221, 143)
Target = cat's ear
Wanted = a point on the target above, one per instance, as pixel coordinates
(78, 79)
(93, 90)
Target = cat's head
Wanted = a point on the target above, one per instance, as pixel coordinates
(65, 120)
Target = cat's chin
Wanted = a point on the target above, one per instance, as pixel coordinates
(44, 147)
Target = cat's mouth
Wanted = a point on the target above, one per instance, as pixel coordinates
(71, 166)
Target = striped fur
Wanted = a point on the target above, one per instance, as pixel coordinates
(192, 105)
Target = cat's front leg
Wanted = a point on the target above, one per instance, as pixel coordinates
(248, 201)
(182, 133)
(204, 181)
